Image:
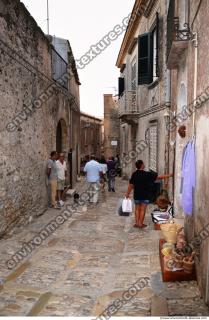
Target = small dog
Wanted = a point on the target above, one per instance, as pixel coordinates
(76, 197)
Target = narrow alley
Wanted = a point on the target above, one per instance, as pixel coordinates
(89, 263)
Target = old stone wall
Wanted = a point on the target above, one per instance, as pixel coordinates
(183, 80)
(111, 126)
(201, 122)
(28, 132)
(90, 136)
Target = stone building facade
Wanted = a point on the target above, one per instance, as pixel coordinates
(39, 95)
(91, 136)
(111, 126)
(144, 88)
(176, 103)
(187, 58)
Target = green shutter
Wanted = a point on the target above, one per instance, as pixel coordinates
(145, 61)
(121, 86)
(157, 42)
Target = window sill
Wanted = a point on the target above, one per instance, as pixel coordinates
(153, 84)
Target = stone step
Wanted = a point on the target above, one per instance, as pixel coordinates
(159, 307)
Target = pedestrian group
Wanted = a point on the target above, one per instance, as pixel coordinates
(98, 172)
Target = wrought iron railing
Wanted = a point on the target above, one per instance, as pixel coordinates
(128, 103)
(174, 31)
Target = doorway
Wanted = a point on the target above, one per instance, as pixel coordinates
(61, 136)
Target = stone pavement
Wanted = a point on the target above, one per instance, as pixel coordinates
(88, 263)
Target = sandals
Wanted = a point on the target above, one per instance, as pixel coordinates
(143, 226)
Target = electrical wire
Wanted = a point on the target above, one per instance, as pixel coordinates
(37, 72)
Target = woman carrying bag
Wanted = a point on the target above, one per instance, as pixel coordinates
(142, 183)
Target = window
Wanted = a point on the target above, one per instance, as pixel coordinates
(133, 74)
(124, 140)
(155, 56)
(148, 55)
(153, 137)
(121, 86)
(59, 69)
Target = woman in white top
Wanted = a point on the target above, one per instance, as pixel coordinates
(103, 178)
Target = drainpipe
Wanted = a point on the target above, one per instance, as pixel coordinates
(168, 88)
(167, 138)
(207, 284)
(195, 43)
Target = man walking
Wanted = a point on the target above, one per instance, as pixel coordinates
(61, 173)
(93, 172)
(111, 173)
(52, 177)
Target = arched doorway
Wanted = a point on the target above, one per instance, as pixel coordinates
(61, 136)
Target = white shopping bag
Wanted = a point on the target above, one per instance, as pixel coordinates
(127, 205)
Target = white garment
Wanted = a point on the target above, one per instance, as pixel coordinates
(61, 168)
(104, 167)
(93, 169)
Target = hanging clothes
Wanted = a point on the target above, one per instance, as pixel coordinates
(188, 177)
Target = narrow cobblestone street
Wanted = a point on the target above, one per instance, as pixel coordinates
(87, 264)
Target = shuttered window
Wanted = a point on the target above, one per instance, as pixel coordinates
(153, 137)
(145, 58)
(148, 47)
(121, 86)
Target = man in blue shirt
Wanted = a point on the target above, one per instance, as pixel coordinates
(93, 172)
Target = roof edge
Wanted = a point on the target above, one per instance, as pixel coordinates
(136, 14)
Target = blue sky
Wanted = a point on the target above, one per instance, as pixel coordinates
(85, 23)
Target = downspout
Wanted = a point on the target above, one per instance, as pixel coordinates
(168, 88)
(195, 43)
(168, 105)
(167, 138)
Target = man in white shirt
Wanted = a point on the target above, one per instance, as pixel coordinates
(93, 172)
(61, 173)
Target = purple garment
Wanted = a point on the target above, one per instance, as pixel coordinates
(188, 177)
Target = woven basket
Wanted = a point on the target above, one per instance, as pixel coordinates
(170, 232)
(171, 227)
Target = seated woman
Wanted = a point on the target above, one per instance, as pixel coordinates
(142, 183)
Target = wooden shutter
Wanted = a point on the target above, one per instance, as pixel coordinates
(153, 147)
(145, 58)
(157, 44)
(121, 86)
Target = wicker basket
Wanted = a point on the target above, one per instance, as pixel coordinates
(170, 231)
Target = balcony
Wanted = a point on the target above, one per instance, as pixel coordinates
(128, 107)
(178, 37)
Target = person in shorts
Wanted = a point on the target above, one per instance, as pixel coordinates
(61, 177)
(142, 183)
(51, 171)
(93, 173)
(111, 173)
